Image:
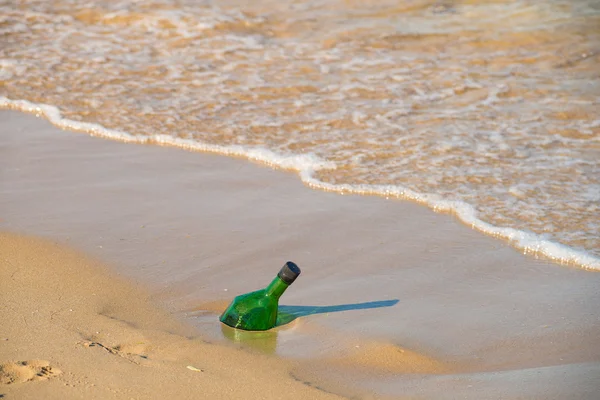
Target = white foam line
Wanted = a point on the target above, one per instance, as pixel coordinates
(529, 243)
(297, 163)
(307, 164)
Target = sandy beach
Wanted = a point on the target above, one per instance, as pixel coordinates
(71, 331)
(147, 244)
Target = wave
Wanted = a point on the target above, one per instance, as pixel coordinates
(305, 165)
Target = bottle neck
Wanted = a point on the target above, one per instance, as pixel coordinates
(276, 288)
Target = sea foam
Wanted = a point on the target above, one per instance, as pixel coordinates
(307, 164)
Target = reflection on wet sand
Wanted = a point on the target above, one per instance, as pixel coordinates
(266, 341)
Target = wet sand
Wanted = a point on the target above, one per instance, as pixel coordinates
(394, 300)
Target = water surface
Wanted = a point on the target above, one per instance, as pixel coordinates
(488, 109)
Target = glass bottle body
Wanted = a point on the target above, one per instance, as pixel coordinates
(255, 311)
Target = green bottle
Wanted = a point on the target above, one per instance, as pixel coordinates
(257, 311)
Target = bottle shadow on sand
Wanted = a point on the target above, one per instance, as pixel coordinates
(266, 341)
(287, 314)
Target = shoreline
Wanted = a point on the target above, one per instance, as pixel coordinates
(189, 225)
(307, 165)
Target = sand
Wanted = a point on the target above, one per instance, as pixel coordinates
(70, 330)
(394, 299)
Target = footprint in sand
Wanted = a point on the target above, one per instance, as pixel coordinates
(131, 352)
(24, 371)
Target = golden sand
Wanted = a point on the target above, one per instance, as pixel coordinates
(70, 330)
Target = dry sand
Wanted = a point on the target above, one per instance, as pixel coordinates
(403, 302)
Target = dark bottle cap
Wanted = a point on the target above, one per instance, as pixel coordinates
(289, 272)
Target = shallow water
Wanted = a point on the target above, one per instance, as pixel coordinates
(487, 109)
